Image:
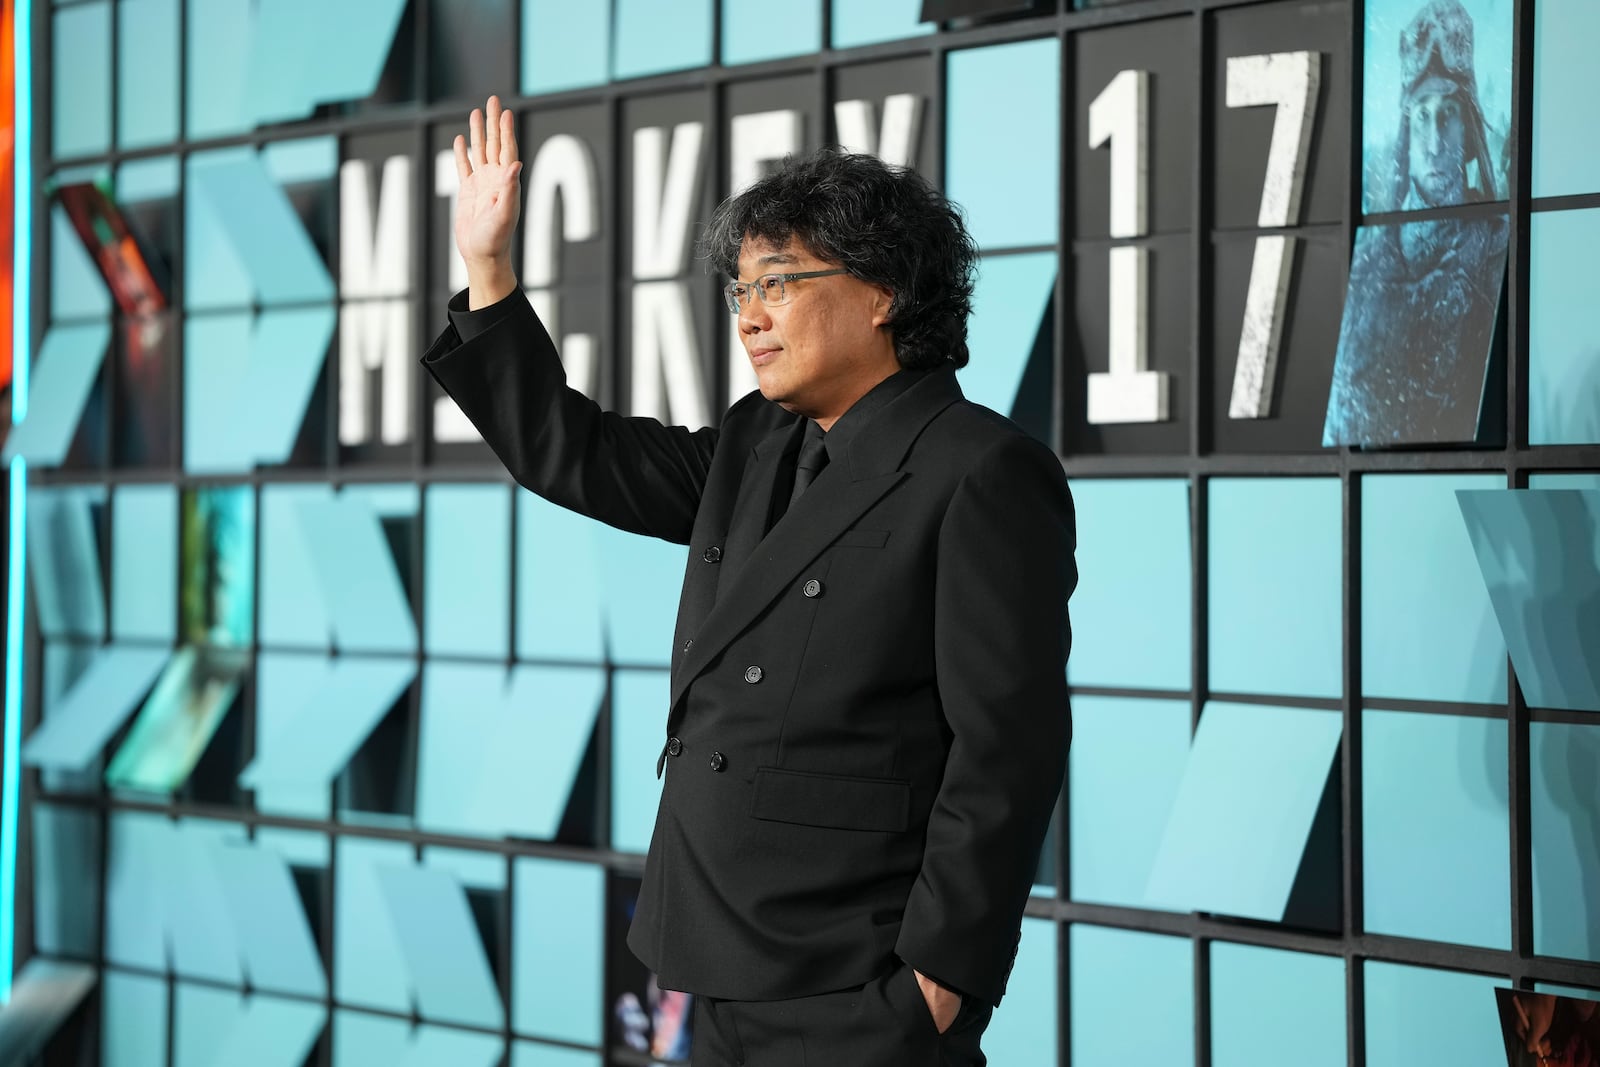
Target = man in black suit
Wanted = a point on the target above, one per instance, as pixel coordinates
(868, 725)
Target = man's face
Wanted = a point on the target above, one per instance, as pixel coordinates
(1437, 162)
(823, 348)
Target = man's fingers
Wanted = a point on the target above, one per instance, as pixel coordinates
(508, 138)
(463, 165)
(475, 128)
(491, 131)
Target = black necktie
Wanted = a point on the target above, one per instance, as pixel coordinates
(809, 463)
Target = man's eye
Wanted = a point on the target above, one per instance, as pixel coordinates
(769, 282)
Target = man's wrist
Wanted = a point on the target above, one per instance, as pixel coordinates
(489, 282)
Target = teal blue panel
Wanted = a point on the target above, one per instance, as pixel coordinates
(655, 36)
(216, 1026)
(1563, 336)
(133, 1019)
(135, 905)
(1131, 990)
(141, 181)
(558, 950)
(362, 1040)
(215, 366)
(368, 968)
(1566, 849)
(269, 922)
(215, 274)
(1008, 306)
(307, 159)
(1265, 1001)
(431, 1045)
(638, 730)
(499, 753)
(68, 367)
(64, 562)
(311, 746)
(287, 346)
(1436, 834)
(856, 23)
(474, 869)
(64, 663)
(1567, 991)
(467, 597)
(257, 219)
(1417, 1015)
(1564, 84)
(641, 579)
(1239, 826)
(444, 954)
(200, 931)
(559, 614)
(67, 877)
(292, 71)
(80, 79)
(77, 289)
(1540, 559)
(1022, 1032)
(528, 1054)
(1564, 481)
(147, 73)
(1427, 627)
(144, 562)
(1125, 764)
(219, 34)
(1276, 585)
(1130, 613)
(1009, 196)
(564, 45)
(84, 720)
(748, 34)
(292, 611)
(356, 571)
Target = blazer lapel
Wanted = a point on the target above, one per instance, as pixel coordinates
(754, 502)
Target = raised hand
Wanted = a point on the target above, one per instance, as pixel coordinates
(488, 203)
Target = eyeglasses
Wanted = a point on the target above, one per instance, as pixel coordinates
(769, 287)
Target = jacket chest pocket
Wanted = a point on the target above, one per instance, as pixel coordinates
(860, 538)
(831, 801)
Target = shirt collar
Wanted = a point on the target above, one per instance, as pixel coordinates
(851, 423)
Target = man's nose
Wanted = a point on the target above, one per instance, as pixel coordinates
(753, 315)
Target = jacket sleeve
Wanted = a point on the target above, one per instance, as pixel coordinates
(501, 368)
(1001, 637)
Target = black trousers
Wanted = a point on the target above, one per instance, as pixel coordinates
(885, 1023)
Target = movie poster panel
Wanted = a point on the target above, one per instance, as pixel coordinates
(1545, 1030)
(1437, 127)
(1420, 316)
(644, 1023)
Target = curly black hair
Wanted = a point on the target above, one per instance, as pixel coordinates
(885, 225)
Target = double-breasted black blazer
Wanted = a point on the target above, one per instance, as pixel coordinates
(868, 724)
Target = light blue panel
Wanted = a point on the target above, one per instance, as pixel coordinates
(1022, 1032)
(215, 274)
(558, 950)
(291, 72)
(203, 1019)
(83, 721)
(356, 570)
(564, 45)
(1427, 627)
(1417, 1015)
(443, 951)
(1008, 307)
(255, 215)
(1564, 83)
(219, 34)
(1265, 1001)
(217, 1026)
(1435, 837)
(1564, 481)
(144, 562)
(64, 562)
(857, 23)
(307, 159)
(1131, 990)
(269, 922)
(1239, 826)
(641, 580)
(749, 36)
(1130, 612)
(200, 931)
(498, 754)
(559, 613)
(1567, 991)
(1563, 336)
(287, 346)
(147, 73)
(1009, 196)
(216, 363)
(64, 664)
(141, 181)
(362, 1040)
(136, 908)
(1540, 557)
(80, 79)
(1566, 844)
(368, 967)
(67, 878)
(1124, 767)
(528, 1054)
(468, 558)
(77, 289)
(311, 746)
(432, 1045)
(292, 611)
(639, 702)
(655, 36)
(68, 367)
(1276, 584)
(133, 1017)
(472, 868)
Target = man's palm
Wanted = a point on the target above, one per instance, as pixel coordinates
(488, 200)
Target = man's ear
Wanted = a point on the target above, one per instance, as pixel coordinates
(882, 301)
